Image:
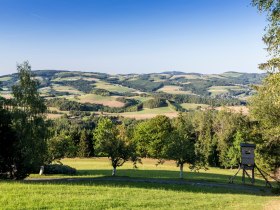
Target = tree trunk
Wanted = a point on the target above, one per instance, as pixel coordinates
(114, 171)
(41, 170)
(181, 170)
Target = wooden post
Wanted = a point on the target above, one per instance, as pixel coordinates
(243, 175)
(253, 175)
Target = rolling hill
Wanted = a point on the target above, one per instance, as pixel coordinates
(137, 95)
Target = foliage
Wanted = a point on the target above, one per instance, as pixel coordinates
(265, 107)
(8, 143)
(102, 92)
(85, 145)
(154, 103)
(26, 125)
(60, 146)
(143, 85)
(206, 144)
(59, 169)
(111, 141)
(80, 84)
(272, 36)
(152, 136)
(180, 145)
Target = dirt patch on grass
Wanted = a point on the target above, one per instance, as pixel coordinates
(272, 205)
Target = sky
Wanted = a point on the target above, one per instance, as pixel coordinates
(132, 36)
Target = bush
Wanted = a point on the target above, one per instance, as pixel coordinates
(155, 103)
(59, 169)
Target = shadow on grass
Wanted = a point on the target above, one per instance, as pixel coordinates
(155, 179)
(167, 174)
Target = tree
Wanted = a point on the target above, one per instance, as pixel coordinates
(111, 141)
(205, 146)
(225, 126)
(272, 36)
(180, 145)
(265, 105)
(151, 137)
(8, 143)
(85, 146)
(234, 152)
(60, 146)
(24, 130)
(29, 123)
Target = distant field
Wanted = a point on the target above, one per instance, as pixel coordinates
(97, 99)
(150, 113)
(67, 79)
(3, 79)
(187, 76)
(193, 106)
(142, 99)
(215, 90)
(237, 109)
(173, 89)
(113, 87)
(231, 74)
(94, 194)
(71, 90)
(6, 95)
(45, 90)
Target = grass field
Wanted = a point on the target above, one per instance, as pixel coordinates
(98, 99)
(173, 89)
(187, 76)
(216, 90)
(114, 194)
(150, 113)
(62, 88)
(3, 79)
(113, 87)
(236, 109)
(192, 106)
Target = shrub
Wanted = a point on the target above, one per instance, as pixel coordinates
(59, 169)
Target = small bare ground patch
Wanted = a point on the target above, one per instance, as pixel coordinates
(272, 205)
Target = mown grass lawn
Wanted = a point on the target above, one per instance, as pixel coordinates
(89, 194)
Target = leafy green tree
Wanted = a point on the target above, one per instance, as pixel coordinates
(180, 145)
(225, 126)
(234, 152)
(265, 105)
(151, 137)
(60, 146)
(205, 146)
(272, 36)
(24, 134)
(8, 143)
(26, 95)
(85, 146)
(111, 142)
(29, 123)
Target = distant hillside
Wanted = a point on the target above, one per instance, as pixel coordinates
(136, 93)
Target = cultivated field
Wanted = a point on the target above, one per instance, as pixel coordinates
(150, 113)
(126, 191)
(98, 99)
(173, 89)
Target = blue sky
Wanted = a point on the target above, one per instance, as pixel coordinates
(132, 36)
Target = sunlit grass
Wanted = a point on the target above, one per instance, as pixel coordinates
(102, 194)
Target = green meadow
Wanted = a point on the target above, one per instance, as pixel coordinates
(90, 188)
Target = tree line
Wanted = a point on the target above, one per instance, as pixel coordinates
(198, 139)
